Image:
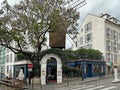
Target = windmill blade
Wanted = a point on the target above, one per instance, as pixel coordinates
(77, 4)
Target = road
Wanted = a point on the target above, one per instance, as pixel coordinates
(100, 84)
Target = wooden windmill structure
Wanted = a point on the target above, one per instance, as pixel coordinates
(57, 39)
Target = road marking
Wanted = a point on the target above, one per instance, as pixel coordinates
(84, 87)
(97, 87)
(109, 88)
(70, 87)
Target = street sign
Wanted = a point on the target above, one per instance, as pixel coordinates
(111, 63)
(30, 65)
(29, 69)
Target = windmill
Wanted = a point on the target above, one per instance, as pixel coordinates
(57, 39)
(75, 5)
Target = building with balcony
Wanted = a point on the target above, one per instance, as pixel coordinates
(101, 33)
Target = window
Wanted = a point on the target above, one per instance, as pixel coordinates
(108, 45)
(82, 30)
(118, 48)
(119, 35)
(114, 46)
(109, 57)
(7, 50)
(81, 40)
(0, 52)
(81, 47)
(115, 35)
(89, 46)
(115, 58)
(7, 58)
(88, 27)
(7, 69)
(11, 57)
(88, 37)
(108, 33)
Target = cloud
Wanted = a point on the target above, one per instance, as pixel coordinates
(11, 2)
(101, 6)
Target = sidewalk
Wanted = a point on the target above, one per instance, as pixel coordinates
(71, 81)
(64, 84)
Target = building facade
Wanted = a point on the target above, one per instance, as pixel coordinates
(9, 62)
(101, 33)
(2, 62)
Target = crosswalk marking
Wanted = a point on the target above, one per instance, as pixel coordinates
(84, 87)
(109, 88)
(87, 87)
(98, 87)
(70, 87)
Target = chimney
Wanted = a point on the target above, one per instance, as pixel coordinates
(105, 16)
(114, 20)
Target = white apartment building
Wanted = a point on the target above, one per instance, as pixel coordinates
(2, 62)
(9, 62)
(101, 33)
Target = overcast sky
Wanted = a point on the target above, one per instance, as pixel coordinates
(95, 7)
(101, 6)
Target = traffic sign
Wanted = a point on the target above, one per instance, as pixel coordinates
(111, 63)
(30, 65)
(29, 69)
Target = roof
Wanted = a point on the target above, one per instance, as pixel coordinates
(87, 60)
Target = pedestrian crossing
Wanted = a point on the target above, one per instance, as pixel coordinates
(87, 87)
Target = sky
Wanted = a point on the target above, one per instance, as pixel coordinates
(96, 7)
(101, 6)
(10, 1)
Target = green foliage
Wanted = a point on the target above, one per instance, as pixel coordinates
(27, 23)
(71, 71)
(67, 69)
(71, 54)
(88, 54)
(56, 51)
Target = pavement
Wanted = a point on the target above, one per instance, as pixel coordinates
(73, 81)
(53, 86)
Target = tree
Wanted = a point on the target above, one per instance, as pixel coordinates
(28, 22)
(88, 54)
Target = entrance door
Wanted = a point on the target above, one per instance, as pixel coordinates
(51, 76)
(89, 70)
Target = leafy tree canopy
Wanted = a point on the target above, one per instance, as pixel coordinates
(26, 24)
(88, 54)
